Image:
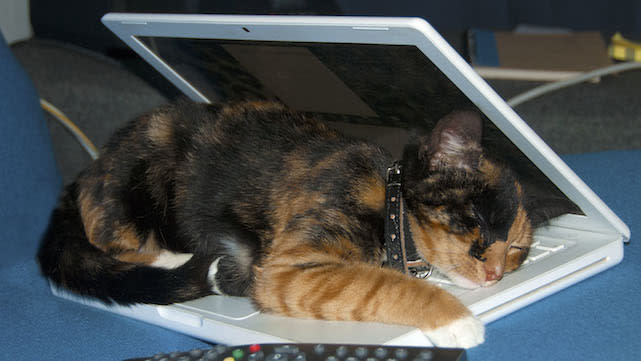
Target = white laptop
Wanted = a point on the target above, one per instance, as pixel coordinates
(359, 70)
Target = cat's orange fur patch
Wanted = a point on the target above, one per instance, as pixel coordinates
(257, 105)
(329, 162)
(125, 245)
(443, 248)
(519, 235)
(519, 189)
(92, 216)
(159, 129)
(265, 106)
(521, 228)
(290, 204)
(353, 291)
(128, 247)
(370, 192)
(137, 257)
(490, 171)
(125, 237)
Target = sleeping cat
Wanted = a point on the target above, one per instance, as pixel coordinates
(253, 199)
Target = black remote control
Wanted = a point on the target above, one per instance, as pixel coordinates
(311, 352)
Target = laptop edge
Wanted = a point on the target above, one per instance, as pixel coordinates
(601, 232)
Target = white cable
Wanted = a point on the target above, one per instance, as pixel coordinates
(71, 127)
(547, 88)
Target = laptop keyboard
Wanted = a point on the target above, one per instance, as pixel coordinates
(540, 249)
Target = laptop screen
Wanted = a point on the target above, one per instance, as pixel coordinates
(391, 85)
(374, 84)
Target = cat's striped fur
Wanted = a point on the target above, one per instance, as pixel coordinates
(253, 199)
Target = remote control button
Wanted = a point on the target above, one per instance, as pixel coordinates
(184, 358)
(371, 359)
(276, 357)
(286, 349)
(237, 354)
(254, 348)
(211, 354)
(331, 358)
(229, 358)
(401, 353)
(342, 351)
(256, 356)
(380, 352)
(301, 357)
(360, 352)
(220, 348)
(196, 353)
(425, 355)
(319, 349)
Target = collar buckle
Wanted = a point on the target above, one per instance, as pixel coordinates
(420, 269)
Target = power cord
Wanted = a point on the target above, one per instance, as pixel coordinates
(71, 127)
(548, 88)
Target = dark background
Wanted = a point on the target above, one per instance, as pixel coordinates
(77, 21)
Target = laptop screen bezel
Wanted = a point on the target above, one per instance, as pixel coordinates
(367, 30)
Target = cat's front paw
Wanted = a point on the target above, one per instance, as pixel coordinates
(464, 332)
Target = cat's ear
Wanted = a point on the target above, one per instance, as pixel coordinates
(455, 142)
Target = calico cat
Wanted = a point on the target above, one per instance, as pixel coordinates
(253, 199)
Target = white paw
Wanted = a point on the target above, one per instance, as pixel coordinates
(211, 275)
(463, 333)
(171, 260)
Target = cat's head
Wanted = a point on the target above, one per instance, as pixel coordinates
(466, 211)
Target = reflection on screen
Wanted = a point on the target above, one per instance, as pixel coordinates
(384, 85)
(373, 84)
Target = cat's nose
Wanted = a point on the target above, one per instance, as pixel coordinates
(493, 273)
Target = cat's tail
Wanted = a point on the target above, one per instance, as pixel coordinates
(70, 261)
